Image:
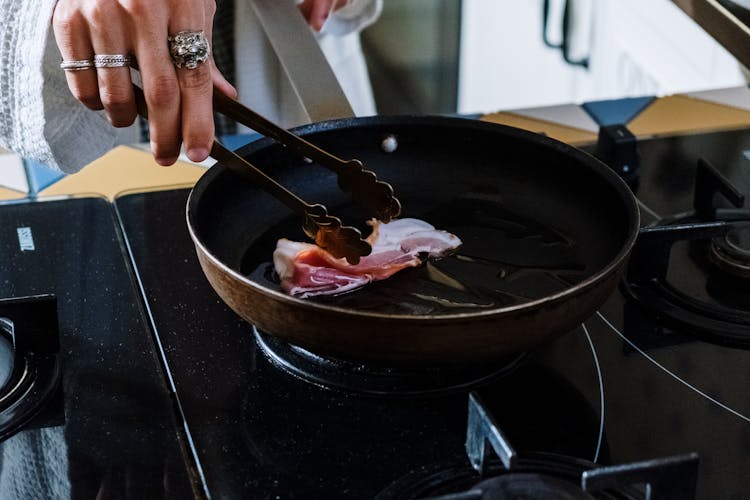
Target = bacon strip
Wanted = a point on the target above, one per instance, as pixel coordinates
(307, 270)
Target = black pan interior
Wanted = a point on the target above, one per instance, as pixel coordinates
(536, 217)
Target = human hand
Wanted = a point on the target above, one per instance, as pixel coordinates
(179, 99)
(316, 12)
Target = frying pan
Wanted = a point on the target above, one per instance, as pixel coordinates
(546, 230)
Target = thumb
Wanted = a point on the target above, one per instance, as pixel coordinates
(221, 83)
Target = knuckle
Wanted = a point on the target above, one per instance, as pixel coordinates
(138, 9)
(198, 79)
(65, 19)
(113, 96)
(89, 98)
(101, 13)
(66, 23)
(163, 89)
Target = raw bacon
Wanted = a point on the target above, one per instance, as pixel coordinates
(307, 270)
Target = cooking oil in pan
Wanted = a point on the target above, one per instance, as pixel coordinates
(506, 259)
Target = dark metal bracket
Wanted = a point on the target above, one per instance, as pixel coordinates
(708, 183)
(671, 478)
(650, 257)
(481, 430)
(618, 148)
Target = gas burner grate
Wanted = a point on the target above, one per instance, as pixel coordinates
(710, 296)
(380, 380)
(541, 475)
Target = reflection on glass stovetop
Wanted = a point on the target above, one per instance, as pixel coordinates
(625, 387)
(107, 429)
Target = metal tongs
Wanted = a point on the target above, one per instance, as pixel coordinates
(327, 231)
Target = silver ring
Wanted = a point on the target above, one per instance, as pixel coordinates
(188, 49)
(112, 60)
(77, 65)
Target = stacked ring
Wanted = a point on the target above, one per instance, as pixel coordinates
(77, 65)
(112, 60)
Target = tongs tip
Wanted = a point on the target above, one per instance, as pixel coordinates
(338, 240)
(377, 197)
(389, 210)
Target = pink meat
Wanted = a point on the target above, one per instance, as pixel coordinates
(307, 270)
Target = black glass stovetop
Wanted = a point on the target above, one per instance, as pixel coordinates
(623, 387)
(107, 429)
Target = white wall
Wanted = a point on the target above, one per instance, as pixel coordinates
(637, 47)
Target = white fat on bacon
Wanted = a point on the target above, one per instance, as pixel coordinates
(306, 270)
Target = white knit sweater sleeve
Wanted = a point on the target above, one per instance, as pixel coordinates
(39, 118)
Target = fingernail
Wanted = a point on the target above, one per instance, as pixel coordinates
(197, 154)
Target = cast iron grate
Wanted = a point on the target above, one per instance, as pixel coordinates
(710, 295)
(542, 475)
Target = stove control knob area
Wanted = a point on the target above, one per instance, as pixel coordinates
(617, 147)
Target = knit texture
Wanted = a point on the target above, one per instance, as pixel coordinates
(39, 118)
(35, 465)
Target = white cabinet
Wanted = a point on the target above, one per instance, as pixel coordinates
(635, 47)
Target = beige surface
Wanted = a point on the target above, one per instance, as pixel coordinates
(9, 194)
(124, 169)
(562, 133)
(672, 115)
(682, 114)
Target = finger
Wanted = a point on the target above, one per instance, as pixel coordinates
(221, 83)
(305, 8)
(72, 37)
(317, 12)
(108, 37)
(162, 92)
(196, 89)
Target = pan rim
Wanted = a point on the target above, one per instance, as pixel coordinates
(591, 162)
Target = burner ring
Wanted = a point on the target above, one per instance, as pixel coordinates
(7, 365)
(731, 254)
(528, 485)
(723, 321)
(379, 380)
(461, 479)
(30, 384)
